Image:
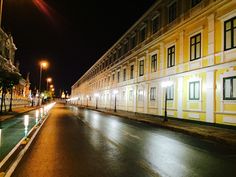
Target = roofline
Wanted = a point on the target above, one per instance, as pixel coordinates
(120, 39)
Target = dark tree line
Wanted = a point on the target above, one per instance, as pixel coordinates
(7, 82)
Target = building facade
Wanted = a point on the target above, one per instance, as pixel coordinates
(21, 91)
(188, 43)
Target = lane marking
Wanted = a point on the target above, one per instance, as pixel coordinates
(23, 151)
(14, 149)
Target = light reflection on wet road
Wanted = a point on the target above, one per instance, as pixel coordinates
(13, 130)
(161, 151)
(83, 143)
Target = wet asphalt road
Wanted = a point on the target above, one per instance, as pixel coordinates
(83, 143)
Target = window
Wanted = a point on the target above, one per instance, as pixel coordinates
(119, 53)
(118, 76)
(195, 2)
(124, 74)
(194, 90)
(131, 95)
(126, 47)
(229, 87)
(113, 77)
(123, 95)
(142, 34)
(140, 95)
(155, 24)
(114, 56)
(230, 34)
(170, 92)
(141, 67)
(172, 12)
(133, 42)
(131, 71)
(195, 47)
(108, 80)
(171, 57)
(110, 60)
(154, 63)
(153, 93)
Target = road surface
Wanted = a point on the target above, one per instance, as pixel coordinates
(83, 143)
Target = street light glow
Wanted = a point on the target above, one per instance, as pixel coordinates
(26, 120)
(44, 64)
(115, 92)
(165, 84)
(49, 79)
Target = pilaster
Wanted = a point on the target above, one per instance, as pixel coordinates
(210, 101)
(211, 38)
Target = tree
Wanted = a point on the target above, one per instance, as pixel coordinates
(7, 81)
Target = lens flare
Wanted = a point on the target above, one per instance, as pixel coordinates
(45, 9)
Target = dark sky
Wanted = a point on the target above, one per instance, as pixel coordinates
(72, 35)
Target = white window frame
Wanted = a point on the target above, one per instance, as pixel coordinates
(145, 37)
(140, 95)
(131, 95)
(153, 93)
(195, 79)
(153, 18)
(118, 76)
(167, 88)
(224, 18)
(194, 33)
(150, 59)
(194, 91)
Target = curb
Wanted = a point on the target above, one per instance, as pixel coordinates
(17, 160)
(18, 114)
(10, 162)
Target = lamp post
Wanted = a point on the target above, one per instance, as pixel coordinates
(43, 64)
(96, 96)
(115, 93)
(49, 80)
(1, 4)
(165, 85)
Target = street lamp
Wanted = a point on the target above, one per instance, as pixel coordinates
(51, 86)
(115, 93)
(165, 85)
(43, 65)
(96, 96)
(49, 80)
(1, 4)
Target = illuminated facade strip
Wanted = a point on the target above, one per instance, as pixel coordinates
(191, 43)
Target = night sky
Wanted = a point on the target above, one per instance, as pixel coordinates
(71, 35)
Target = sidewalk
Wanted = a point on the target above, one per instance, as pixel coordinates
(15, 112)
(226, 136)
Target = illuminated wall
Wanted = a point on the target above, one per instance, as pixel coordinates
(196, 51)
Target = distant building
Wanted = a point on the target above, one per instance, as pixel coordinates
(189, 42)
(7, 53)
(8, 65)
(63, 95)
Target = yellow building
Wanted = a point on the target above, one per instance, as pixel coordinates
(191, 44)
